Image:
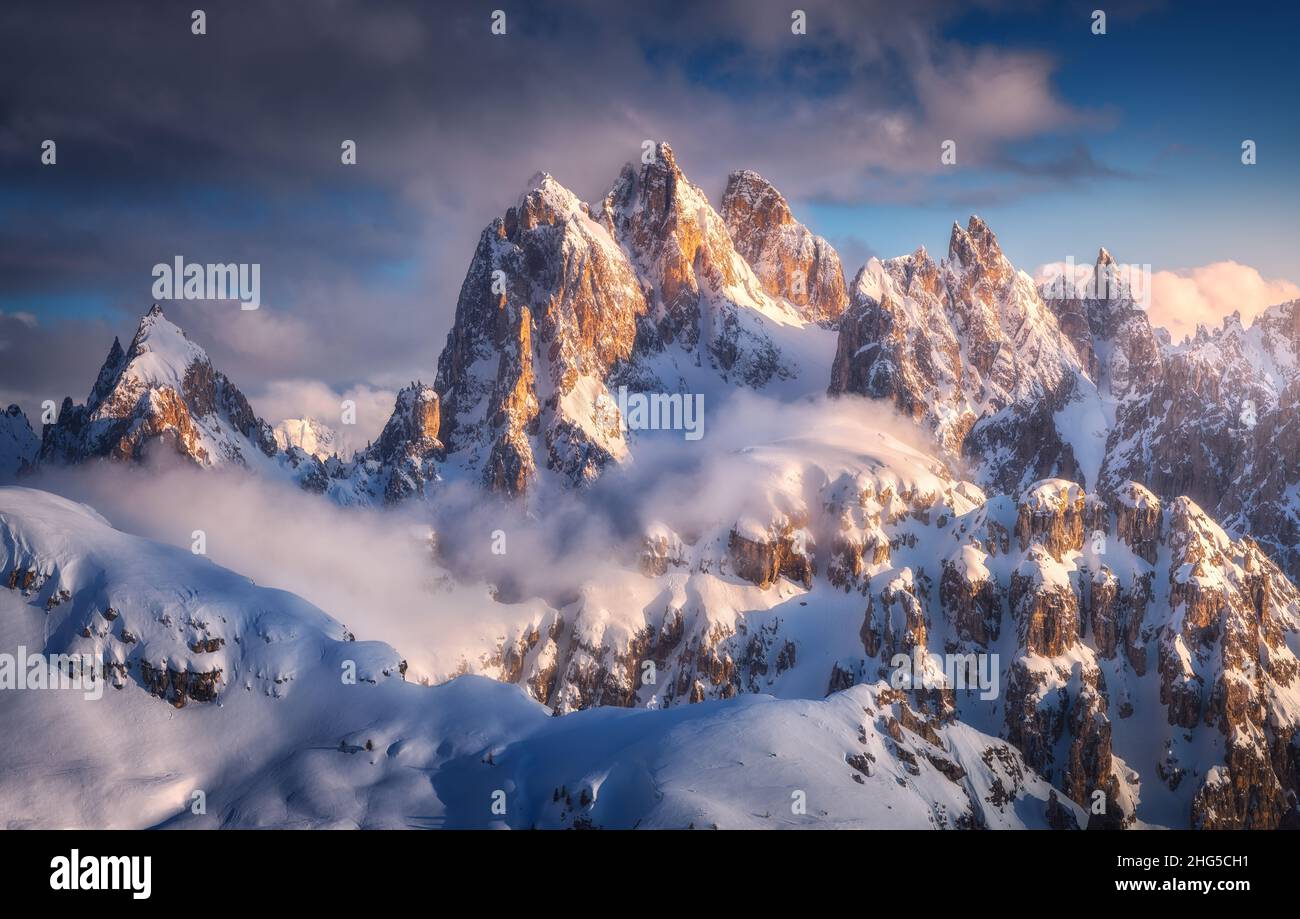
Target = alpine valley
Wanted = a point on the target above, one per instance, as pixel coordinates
(930, 460)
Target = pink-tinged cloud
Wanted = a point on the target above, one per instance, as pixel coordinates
(1181, 300)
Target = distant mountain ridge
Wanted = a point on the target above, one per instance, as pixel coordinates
(162, 399)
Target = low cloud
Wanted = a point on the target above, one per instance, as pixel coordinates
(753, 448)
(372, 570)
(1181, 300)
(283, 399)
(376, 571)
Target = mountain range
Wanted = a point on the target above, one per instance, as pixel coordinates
(1107, 515)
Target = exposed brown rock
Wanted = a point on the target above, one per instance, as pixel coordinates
(974, 607)
(786, 553)
(180, 687)
(1052, 513)
(1137, 519)
(790, 261)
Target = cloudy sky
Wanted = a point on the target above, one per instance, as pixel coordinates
(225, 147)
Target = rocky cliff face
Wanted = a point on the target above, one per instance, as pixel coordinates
(1072, 380)
(549, 307)
(1212, 418)
(703, 296)
(1245, 461)
(1262, 498)
(1225, 663)
(401, 464)
(1063, 595)
(1176, 581)
(1108, 328)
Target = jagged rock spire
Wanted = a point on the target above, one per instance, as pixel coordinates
(974, 245)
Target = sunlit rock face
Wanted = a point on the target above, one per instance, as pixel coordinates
(792, 262)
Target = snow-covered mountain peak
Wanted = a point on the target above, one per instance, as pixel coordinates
(708, 305)
(562, 304)
(163, 397)
(162, 391)
(308, 434)
(539, 181)
(160, 353)
(545, 200)
(969, 346)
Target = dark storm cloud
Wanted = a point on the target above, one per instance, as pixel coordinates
(226, 148)
(41, 360)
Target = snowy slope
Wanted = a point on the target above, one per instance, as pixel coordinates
(284, 740)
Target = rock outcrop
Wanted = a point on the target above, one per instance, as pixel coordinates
(549, 306)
